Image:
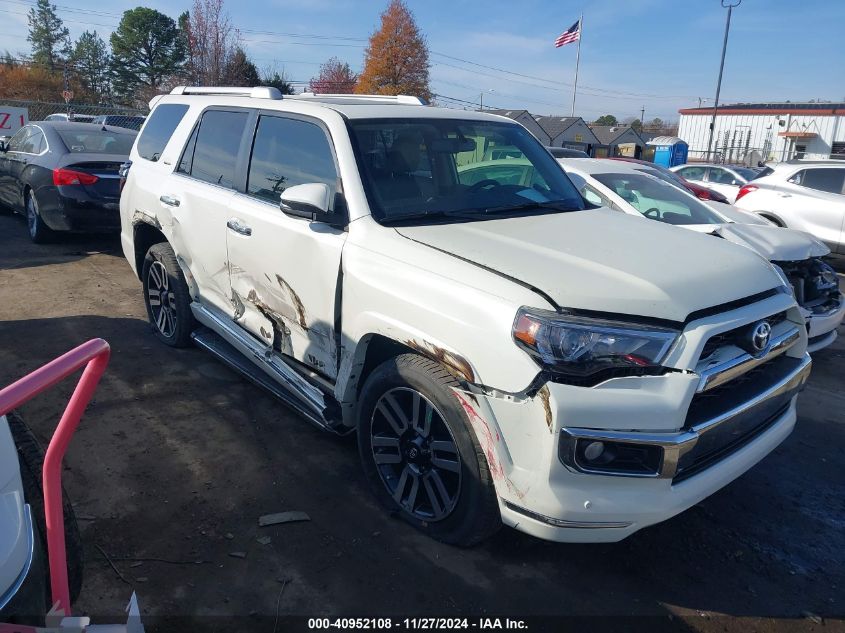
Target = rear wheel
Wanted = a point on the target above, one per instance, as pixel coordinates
(31, 458)
(39, 232)
(167, 297)
(420, 453)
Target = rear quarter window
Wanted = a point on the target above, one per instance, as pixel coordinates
(162, 122)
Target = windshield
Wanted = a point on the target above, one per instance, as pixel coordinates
(457, 170)
(658, 200)
(97, 142)
(745, 172)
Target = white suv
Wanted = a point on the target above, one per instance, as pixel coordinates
(805, 195)
(506, 351)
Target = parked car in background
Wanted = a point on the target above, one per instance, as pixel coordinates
(505, 352)
(566, 152)
(797, 254)
(726, 179)
(702, 193)
(63, 176)
(805, 195)
(120, 120)
(63, 116)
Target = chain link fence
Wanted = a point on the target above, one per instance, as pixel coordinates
(13, 113)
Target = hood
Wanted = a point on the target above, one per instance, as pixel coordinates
(774, 243)
(735, 214)
(607, 261)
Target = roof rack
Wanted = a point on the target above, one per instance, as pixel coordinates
(362, 99)
(258, 92)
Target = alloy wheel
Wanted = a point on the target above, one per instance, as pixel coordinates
(31, 215)
(415, 454)
(162, 300)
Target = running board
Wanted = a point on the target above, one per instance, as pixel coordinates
(260, 365)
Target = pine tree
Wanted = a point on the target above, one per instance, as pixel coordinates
(277, 80)
(147, 52)
(396, 59)
(240, 70)
(335, 76)
(48, 35)
(91, 63)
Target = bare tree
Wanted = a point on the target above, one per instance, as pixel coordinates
(211, 39)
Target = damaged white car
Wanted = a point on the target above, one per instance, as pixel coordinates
(634, 190)
(505, 353)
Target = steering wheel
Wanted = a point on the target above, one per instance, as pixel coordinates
(483, 184)
(653, 213)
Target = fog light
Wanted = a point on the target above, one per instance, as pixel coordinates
(593, 451)
(603, 456)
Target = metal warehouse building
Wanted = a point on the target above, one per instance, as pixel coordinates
(775, 131)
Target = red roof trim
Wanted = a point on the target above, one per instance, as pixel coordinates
(770, 111)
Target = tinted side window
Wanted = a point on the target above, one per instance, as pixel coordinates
(829, 180)
(288, 152)
(39, 144)
(692, 173)
(217, 144)
(721, 176)
(18, 141)
(188, 153)
(160, 127)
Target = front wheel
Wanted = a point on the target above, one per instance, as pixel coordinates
(420, 454)
(166, 296)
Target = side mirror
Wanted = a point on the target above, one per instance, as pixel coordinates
(4, 143)
(312, 201)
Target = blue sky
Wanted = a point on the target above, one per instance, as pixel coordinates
(657, 54)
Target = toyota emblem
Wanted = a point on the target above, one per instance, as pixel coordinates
(760, 336)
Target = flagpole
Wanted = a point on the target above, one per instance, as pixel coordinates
(577, 61)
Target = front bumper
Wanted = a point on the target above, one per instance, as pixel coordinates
(821, 328)
(709, 433)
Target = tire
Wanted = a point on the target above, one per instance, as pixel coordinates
(39, 232)
(171, 320)
(31, 458)
(400, 458)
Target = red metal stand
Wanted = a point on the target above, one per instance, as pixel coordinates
(94, 356)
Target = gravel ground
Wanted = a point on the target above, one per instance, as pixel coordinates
(178, 457)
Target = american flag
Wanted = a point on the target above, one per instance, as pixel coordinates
(572, 34)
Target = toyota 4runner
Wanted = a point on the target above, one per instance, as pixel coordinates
(507, 352)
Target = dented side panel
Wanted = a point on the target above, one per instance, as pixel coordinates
(283, 278)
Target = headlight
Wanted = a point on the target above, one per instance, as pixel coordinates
(574, 347)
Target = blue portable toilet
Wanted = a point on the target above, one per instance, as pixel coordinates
(669, 150)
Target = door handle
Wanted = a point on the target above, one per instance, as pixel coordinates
(239, 227)
(170, 201)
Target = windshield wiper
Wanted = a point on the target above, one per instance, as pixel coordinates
(429, 215)
(557, 205)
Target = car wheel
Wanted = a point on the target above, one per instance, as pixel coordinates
(39, 232)
(31, 458)
(166, 296)
(420, 454)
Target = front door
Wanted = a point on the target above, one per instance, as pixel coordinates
(196, 201)
(284, 270)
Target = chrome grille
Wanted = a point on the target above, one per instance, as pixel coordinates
(718, 341)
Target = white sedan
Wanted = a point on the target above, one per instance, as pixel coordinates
(726, 179)
(633, 190)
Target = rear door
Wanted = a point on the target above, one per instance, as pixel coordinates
(725, 182)
(817, 196)
(197, 197)
(693, 173)
(285, 270)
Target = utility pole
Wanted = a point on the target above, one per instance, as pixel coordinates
(730, 6)
(642, 117)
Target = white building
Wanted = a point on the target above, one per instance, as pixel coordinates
(777, 131)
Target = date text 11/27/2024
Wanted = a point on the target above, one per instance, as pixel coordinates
(415, 624)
